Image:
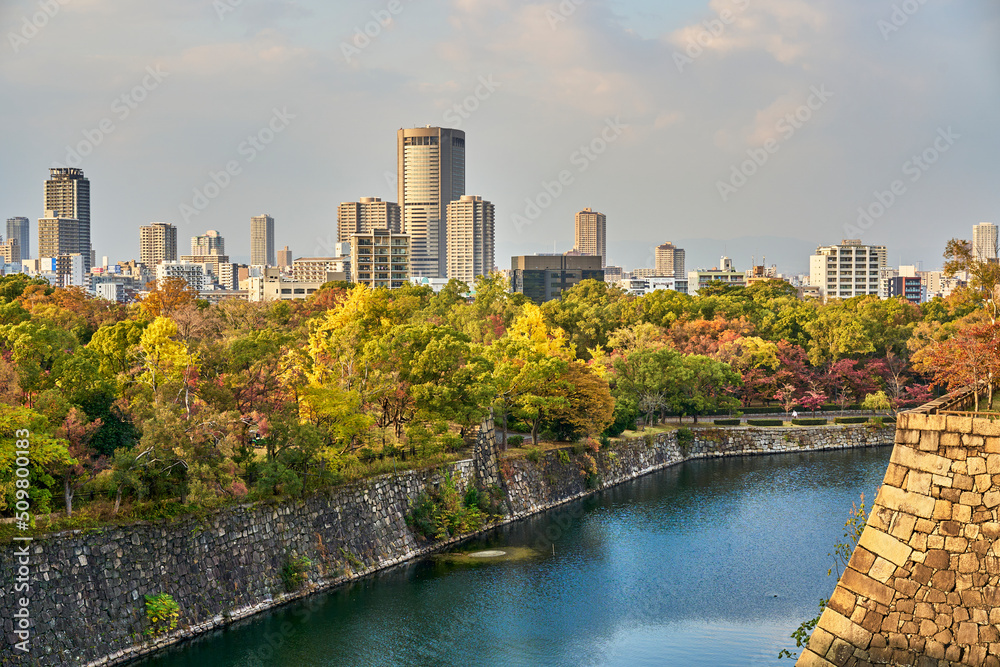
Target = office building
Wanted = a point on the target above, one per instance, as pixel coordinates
(848, 270)
(284, 258)
(210, 262)
(613, 274)
(157, 243)
(111, 291)
(470, 238)
(57, 235)
(670, 261)
(643, 286)
(262, 240)
(67, 194)
(361, 217)
(10, 251)
(18, 228)
(430, 169)
(725, 273)
(542, 278)
(209, 243)
(591, 234)
(269, 285)
(984, 242)
(71, 270)
(381, 258)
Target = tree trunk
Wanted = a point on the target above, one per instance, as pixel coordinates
(118, 501)
(534, 430)
(503, 440)
(68, 496)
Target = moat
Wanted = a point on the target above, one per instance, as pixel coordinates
(711, 562)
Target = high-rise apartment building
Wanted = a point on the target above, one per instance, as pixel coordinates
(984, 241)
(670, 261)
(542, 278)
(847, 270)
(470, 232)
(10, 251)
(285, 258)
(430, 165)
(157, 243)
(262, 240)
(591, 234)
(67, 194)
(380, 258)
(209, 243)
(18, 228)
(57, 235)
(361, 217)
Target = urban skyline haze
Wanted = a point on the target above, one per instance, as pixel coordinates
(764, 127)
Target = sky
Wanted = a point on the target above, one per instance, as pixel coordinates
(751, 128)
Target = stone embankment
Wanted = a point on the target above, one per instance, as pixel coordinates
(87, 599)
(923, 584)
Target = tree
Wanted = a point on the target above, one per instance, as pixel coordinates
(49, 455)
(86, 461)
(966, 359)
(813, 400)
(877, 402)
(588, 408)
(167, 296)
(984, 275)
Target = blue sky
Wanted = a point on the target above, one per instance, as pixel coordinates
(672, 119)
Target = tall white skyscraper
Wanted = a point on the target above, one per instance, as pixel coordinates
(157, 243)
(984, 241)
(592, 234)
(430, 164)
(262, 241)
(67, 195)
(470, 238)
(18, 228)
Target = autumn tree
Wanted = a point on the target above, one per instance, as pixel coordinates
(166, 296)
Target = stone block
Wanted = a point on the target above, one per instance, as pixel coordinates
(913, 459)
(974, 443)
(992, 445)
(881, 570)
(971, 498)
(951, 528)
(842, 601)
(938, 559)
(884, 545)
(983, 482)
(865, 586)
(919, 482)
(842, 627)
(961, 513)
(901, 526)
(861, 559)
(915, 421)
(957, 424)
(976, 465)
(911, 503)
(991, 498)
(950, 439)
(942, 510)
(968, 633)
(968, 562)
(810, 659)
(943, 581)
(895, 474)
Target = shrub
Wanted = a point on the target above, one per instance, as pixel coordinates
(441, 513)
(293, 572)
(765, 422)
(809, 422)
(650, 439)
(727, 422)
(162, 612)
(563, 457)
(549, 435)
(850, 420)
(685, 438)
(534, 454)
(605, 441)
(515, 440)
(579, 448)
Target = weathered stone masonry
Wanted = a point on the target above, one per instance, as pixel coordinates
(87, 598)
(923, 585)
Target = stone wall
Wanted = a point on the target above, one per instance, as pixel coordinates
(87, 598)
(923, 584)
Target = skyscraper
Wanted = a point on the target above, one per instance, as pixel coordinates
(57, 235)
(470, 238)
(285, 258)
(262, 240)
(157, 243)
(67, 194)
(209, 243)
(670, 261)
(430, 165)
(984, 241)
(591, 234)
(847, 270)
(361, 217)
(18, 228)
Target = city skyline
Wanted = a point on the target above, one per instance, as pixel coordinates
(873, 99)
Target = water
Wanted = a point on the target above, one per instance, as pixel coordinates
(709, 563)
